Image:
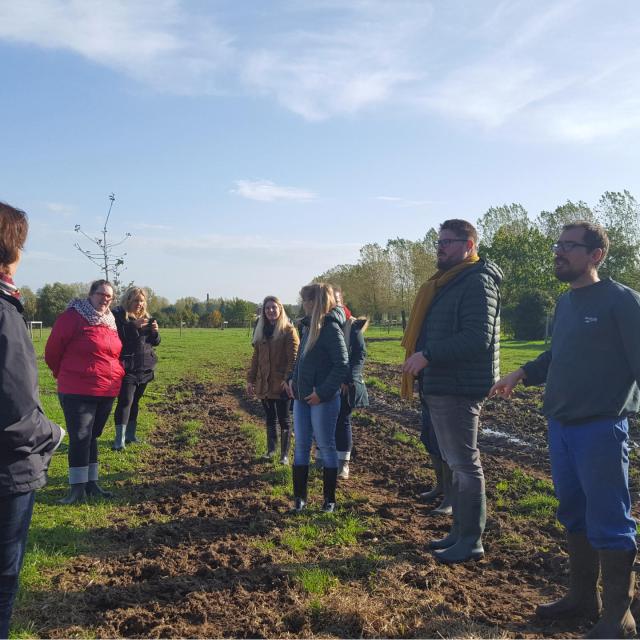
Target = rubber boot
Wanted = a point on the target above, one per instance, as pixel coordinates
(445, 508)
(118, 443)
(436, 492)
(77, 493)
(285, 440)
(130, 433)
(618, 582)
(343, 469)
(583, 599)
(329, 481)
(272, 440)
(472, 517)
(452, 537)
(300, 474)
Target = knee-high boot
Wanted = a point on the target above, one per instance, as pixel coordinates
(300, 474)
(329, 481)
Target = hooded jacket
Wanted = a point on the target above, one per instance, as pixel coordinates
(27, 437)
(354, 329)
(461, 334)
(325, 367)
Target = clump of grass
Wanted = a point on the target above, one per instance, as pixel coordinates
(376, 383)
(347, 531)
(526, 495)
(302, 538)
(363, 419)
(187, 433)
(315, 580)
(405, 438)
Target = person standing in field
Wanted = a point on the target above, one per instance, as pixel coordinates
(592, 373)
(139, 335)
(321, 367)
(275, 347)
(456, 320)
(353, 391)
(28, 438)
(83, 353)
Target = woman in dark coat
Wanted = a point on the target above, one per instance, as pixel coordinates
(27, 438)
(139, 334)
(321, 367)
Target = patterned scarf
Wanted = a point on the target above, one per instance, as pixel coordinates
(84, 307)
(8, 287)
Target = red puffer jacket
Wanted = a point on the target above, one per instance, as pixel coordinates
(84, 358)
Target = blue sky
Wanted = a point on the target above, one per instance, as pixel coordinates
(252, 145)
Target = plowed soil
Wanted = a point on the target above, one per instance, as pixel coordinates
(207, 556)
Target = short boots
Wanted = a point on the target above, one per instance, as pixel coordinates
(329, 481)
(118, 443)
(94, 490)
(77, 493)
(130, 433)
(300, 473)
(583, 599)
(445, 508)
(285, 440)
(343, 469)
(617, 592)
(436, 463)
(471, 513)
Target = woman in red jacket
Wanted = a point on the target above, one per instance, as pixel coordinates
(83, 352)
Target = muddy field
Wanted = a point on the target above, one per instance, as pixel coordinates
(210, 556)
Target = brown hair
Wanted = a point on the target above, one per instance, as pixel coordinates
(463, 229)
(99, 283)
(14, 227)
(594, 236)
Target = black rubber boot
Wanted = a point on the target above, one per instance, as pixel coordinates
(452, 537)
(437, 490)
(130, 434)
(329, 481)
(583, 599)
(618, 582)
(96, 491)
(285, 441)
(300, 473)
(445, 509)
(77, 493)
(472, 517)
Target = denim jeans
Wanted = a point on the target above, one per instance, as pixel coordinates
(316, 422)
(344, 434)
(455, 421)
(590, 469)
(15, 517)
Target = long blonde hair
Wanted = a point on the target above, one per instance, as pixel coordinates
(127, 300)
(321, 295)
(281, 323)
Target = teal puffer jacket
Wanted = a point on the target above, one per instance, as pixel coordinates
(325, 366)
(463, 334)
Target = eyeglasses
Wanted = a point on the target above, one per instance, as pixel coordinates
(447, 242)
(106, 296)
(567, 245)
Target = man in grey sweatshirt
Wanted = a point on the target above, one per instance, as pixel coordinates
(592, 372)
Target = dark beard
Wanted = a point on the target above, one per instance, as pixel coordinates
(567, 275)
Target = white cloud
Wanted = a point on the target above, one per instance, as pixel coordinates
(267, 191)
(58, 208)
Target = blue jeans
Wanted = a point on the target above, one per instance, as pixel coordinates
(319, 422)
(15, 516)
(590, 469)
(344, 432)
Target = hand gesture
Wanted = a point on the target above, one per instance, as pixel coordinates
(313, 398)
(415, 364)
(505, 385)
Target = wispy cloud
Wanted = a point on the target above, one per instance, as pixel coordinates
(565, 69)
(58, 208)
(267, 191)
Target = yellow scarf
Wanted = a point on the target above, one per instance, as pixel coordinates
(424, 298)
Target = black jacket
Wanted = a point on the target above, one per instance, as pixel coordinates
(358, 396)
(27, 437)
(462, 331)
(324, 368)
(137, 355)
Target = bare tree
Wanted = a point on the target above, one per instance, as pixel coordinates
(104, 257)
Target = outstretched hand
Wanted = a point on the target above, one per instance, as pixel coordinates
(506, 385)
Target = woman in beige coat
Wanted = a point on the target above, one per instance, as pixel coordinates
(275, 347)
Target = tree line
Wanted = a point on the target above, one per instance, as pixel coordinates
(384, 281)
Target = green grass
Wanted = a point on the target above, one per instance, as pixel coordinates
(405, 438)
(186, 434)
(526, 496)
(316, 581)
